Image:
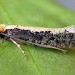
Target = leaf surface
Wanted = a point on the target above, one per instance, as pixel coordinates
(40, 61)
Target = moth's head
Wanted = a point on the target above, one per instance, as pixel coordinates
(2, 29)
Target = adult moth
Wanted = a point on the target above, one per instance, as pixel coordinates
(57, 38)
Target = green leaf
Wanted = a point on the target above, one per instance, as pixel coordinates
(39, 61)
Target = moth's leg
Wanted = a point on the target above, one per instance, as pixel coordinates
(60, 49)
(18, 45)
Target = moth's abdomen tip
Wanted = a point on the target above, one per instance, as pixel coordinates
(2, 27)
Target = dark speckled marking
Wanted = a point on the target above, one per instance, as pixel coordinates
(60, 40)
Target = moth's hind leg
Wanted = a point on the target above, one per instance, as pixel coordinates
(63, 50)
(18, 45)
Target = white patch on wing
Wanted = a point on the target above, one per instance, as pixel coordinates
(71, 29)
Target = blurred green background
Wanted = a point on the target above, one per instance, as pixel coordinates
(40, 61)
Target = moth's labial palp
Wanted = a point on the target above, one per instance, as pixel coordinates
(2, 39)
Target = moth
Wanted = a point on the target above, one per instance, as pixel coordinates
(57, 38)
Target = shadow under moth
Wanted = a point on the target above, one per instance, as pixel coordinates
(57, 38)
